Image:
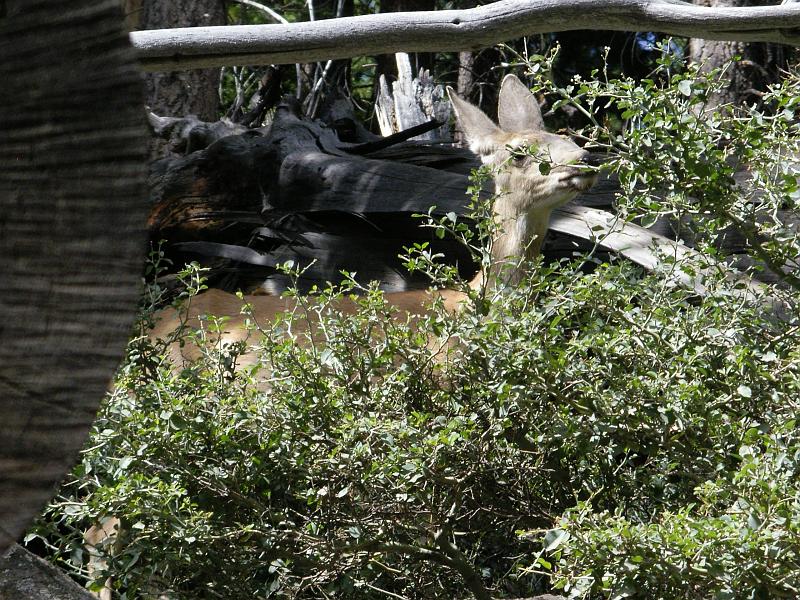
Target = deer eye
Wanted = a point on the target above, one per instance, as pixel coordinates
(523, 154)
(519, 155)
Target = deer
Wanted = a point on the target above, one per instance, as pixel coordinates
(526, 195)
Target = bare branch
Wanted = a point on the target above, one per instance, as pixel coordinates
(454, 30)
(651, 250)
(265, 9)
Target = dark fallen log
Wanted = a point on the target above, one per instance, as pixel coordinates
(298, 193)
(310, 181)
(328, 201)
(188, 134)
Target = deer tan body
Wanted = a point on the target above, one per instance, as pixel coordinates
(99, 540)
(525, 199)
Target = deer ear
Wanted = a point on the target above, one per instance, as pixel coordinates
(476, 126)
(517, 108)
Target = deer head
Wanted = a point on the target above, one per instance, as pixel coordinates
(534, 171)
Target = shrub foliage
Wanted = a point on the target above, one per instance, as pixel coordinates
(596, 429)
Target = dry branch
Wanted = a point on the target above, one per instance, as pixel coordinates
(454, 30)
(643, 247)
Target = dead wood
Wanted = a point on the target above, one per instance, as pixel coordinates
(296, 191)
(454, 30)
(302, 191)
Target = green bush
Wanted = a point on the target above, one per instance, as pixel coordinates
(741, 539)
(596, 429)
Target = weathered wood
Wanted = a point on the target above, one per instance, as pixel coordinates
(642, 246)
(72, 174)
(454, 30)
(303, 195)
(322, 248)
(412, 101)
(188, 134)
(315, 181)
(24, 576)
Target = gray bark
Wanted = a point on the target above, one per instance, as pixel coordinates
(72, 174)
(466, 76)
(454, 30)
(24, 576)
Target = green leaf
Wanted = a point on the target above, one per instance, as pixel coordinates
(555, 538)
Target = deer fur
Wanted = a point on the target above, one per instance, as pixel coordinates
(100, 540)
(525, 197)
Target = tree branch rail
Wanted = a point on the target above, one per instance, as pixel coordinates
(454, 30)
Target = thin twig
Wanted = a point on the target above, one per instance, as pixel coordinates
(279, 19)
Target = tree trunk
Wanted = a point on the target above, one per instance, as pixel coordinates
(760, 64)
(181, 93)
(466, 66)
(72, 209)
(464, 85)
(466, 74)
(133, 13)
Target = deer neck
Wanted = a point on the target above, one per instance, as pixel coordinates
(520, 231)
